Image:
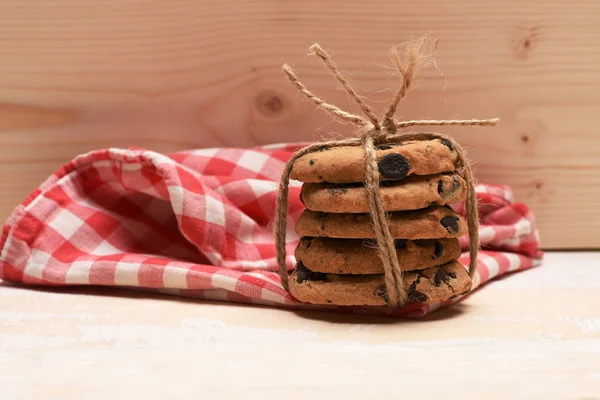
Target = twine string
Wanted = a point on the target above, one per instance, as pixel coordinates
(418, 55)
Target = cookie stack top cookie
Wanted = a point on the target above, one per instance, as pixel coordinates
(401, 168)
(385, 186)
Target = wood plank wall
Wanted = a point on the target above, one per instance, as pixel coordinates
(82, 74)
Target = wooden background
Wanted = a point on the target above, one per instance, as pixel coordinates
(82, 74)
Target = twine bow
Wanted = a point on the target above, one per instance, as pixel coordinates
(376, 132)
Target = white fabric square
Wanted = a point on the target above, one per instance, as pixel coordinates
(105, 249)
(131, 167)
(487, 233)
(514, 260)
(79, 273)
(523, 227)
(253, 161)
(261, 187)
(66, 223)
(215, 212)
(126, 274)
(176, 194)
(174, 277)
(491, 263)
(224, 282)
(36, 263)
(205, 152)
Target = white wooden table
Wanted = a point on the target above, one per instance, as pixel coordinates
(535, 334)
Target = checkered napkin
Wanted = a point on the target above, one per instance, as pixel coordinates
(199, 224)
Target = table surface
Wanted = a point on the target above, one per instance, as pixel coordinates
(534, 334)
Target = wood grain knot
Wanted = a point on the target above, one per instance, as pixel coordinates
(524, 42)
(269, 104)
(541, 190)
(528, 137)
(539, 185)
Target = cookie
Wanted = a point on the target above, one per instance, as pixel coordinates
(395, 161)
(408, 194)
(435, 222)
(359, 256)
(431, 285)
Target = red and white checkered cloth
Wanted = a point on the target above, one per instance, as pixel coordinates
(199, 224)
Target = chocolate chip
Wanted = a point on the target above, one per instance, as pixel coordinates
(335, 190)
(356, 220)
(438, 250)
(322, 227)
(321, 178)
(414, 296)
(329, 301)
(312, 162)
(324, 148)
(384, 147)
(321, 215)
(440, 186)
(400, 243)
(308, 241)
(393, 166)
(441, 276)
(444, 276)
(450, 223)
(455, 183)
(305, 274)
(447, 143)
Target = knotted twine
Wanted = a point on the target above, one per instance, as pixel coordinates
(376, 132)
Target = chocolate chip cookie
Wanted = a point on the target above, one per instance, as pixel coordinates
(408, 194)
(395, 161)
(359, 256)
(431, 285)
(435, 222)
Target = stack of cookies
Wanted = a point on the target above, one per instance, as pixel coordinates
(337, 257)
